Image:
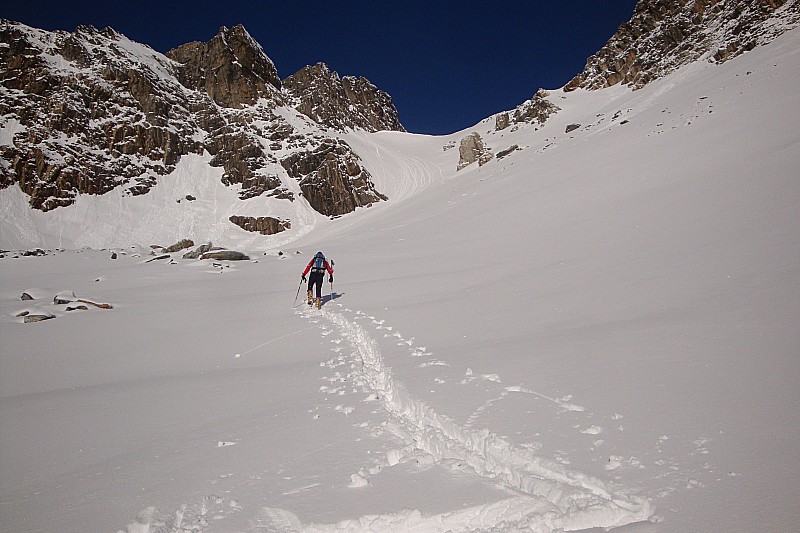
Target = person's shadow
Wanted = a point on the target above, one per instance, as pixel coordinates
(329, 297)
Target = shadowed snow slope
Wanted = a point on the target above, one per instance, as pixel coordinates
(597, 330)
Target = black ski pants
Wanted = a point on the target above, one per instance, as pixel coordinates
(316, 279)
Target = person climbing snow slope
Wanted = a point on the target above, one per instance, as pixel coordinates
(317, 266)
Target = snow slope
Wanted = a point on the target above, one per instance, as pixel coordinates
(596, 330)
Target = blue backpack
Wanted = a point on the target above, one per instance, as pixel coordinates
(319, 264)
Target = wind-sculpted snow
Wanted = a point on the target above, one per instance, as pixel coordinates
(551, 496)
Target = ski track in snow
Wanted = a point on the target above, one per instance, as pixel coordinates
(549, 496)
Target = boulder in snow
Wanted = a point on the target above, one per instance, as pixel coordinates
(225, 255)
(472, 149)
(64, 297)
(197, 252)
(178, 246)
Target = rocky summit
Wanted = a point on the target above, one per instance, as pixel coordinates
(90, 111)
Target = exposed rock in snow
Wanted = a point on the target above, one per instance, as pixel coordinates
(502, 153)
(472, 149)
(199, 251)
(178, 246)
(64, 297)
(225, 255)
(263, 225)
(35, 315)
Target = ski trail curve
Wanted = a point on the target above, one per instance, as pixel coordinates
(397, 173)
(551, 497)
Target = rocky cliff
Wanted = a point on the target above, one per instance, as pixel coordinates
(664, 35)
(341, 103)
(90, 111)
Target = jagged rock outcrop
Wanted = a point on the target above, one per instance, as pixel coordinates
(664, 35)
(472, 149)
(535, 110)
(342, 103)
(262, 225)
(231, 68)
(331, 178)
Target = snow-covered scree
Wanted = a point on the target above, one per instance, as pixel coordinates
(556, 498)
(598, 328)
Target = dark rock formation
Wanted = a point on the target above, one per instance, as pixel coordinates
(178, 246)
(502, 153)
(262, 225)
(342, 103)
(225, 255)
(664, 35)
(35, 316)
(331, 178)
(199, 251)
(571, 127)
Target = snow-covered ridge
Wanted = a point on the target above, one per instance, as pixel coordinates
(663, 36)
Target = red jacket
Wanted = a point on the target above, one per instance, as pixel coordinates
(310, 263)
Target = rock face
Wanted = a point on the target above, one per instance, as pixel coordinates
(231, 68)
(664, 35)
(329, 100)
(472, 149)
(331, 178)
(90, 111)
(87, 121)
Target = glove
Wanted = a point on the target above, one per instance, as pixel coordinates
(330, 279)
(302, 278)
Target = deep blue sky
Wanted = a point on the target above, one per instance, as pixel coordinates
(447, 65)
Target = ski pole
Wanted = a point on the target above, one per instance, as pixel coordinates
(298, 293)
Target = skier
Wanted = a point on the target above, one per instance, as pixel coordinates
(318, 265)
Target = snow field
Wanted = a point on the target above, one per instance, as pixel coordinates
(597, 329)
(559, 498)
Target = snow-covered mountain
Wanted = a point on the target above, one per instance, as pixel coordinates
(593, 324)
(90, 113)
(222, 149)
